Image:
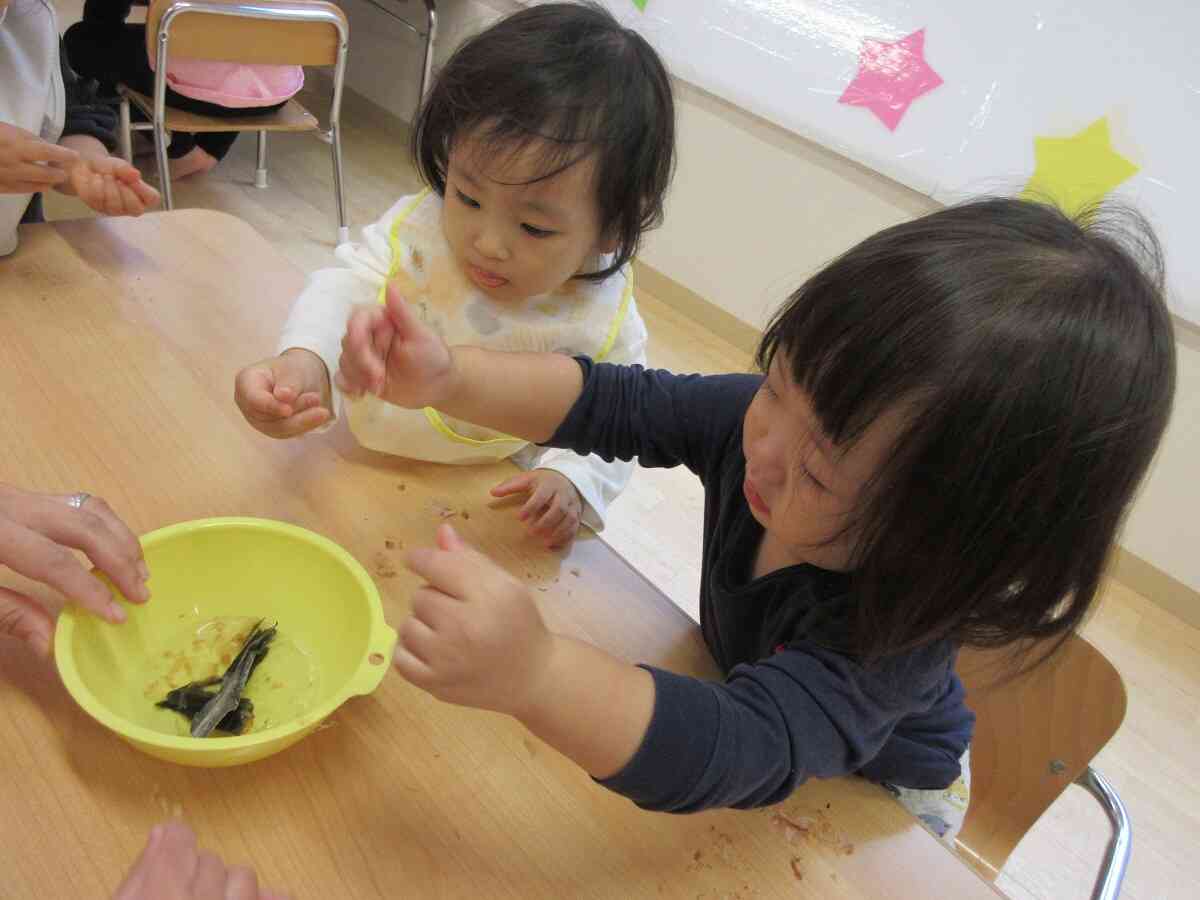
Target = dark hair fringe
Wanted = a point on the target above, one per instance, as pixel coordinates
(1037, 355)
(570, 79)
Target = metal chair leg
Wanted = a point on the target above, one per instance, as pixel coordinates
(336, 146)
(125, 132)
(427, 63)
(164, 171)
(260, 174)
(1120, 847)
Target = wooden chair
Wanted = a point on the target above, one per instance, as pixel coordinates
(282, 32)
(1034, 736)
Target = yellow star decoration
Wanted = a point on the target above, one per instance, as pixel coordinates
(1078, 171)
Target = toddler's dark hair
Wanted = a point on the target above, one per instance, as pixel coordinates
(1037, 355)
(569, 76)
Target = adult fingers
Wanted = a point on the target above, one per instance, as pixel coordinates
(241, 884)
(32, 173)
(35, 150)
(26, 620)
(38, 557)
(99, 532)
(208, 882)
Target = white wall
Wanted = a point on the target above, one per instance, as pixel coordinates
(754, 209)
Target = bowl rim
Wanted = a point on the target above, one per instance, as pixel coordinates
(381, 640)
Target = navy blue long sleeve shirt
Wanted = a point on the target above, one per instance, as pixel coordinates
(791, 707)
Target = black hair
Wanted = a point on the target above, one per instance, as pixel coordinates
(1036, 355)
(570, 77)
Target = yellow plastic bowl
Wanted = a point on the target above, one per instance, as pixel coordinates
(211, 578)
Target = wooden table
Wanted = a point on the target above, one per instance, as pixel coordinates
(120, 343)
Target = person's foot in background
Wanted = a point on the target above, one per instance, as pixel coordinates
(195, 162)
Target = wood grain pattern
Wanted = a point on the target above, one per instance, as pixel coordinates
(1034, 735)
(245, 40)
(122, 339)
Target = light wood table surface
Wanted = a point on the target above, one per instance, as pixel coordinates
(120, 342)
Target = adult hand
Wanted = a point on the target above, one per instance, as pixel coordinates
(29, 165)
(37, 532)
(172, 867)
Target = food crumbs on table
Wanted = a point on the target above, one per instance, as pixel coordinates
(575, 572)
(790, 828)
(698, 855)
(390, 544)
(797, 872)
(466, 515)
(402, 486)
(384, 567)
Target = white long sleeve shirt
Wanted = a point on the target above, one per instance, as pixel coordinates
(406, 245)
(31, 90)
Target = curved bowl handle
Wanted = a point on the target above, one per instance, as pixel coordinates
(378, 660)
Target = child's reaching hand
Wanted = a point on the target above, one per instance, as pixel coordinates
(107, 184)
(110, 186)
(388, 352)
(475, 636)
(286, 395)
(554, 508)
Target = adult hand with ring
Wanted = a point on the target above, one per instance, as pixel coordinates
(37, 534)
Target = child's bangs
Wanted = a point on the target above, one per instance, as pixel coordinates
(543, 149)
(851, 364)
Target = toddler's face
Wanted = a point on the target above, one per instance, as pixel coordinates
(512, 236)
(800, 487)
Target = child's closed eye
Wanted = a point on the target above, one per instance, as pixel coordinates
(467, 201)
(809, 476)
(534, 231)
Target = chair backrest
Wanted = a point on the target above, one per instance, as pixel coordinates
(262, 32)
(1034, 735)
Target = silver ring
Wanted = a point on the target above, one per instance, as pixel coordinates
(76, 501)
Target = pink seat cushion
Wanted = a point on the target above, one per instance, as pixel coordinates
(233, 85)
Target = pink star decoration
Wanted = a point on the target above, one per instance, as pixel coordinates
(890, 77)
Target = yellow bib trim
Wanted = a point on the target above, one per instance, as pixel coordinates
(432, 415)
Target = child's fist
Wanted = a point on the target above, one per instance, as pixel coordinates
(388, 352)
(286, 395)
(554, 508)
(475, 636)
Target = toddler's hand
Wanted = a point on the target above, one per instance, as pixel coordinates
(554, 508)
(109, 185)
(475, 636)
(286, 395)
(388, 352)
